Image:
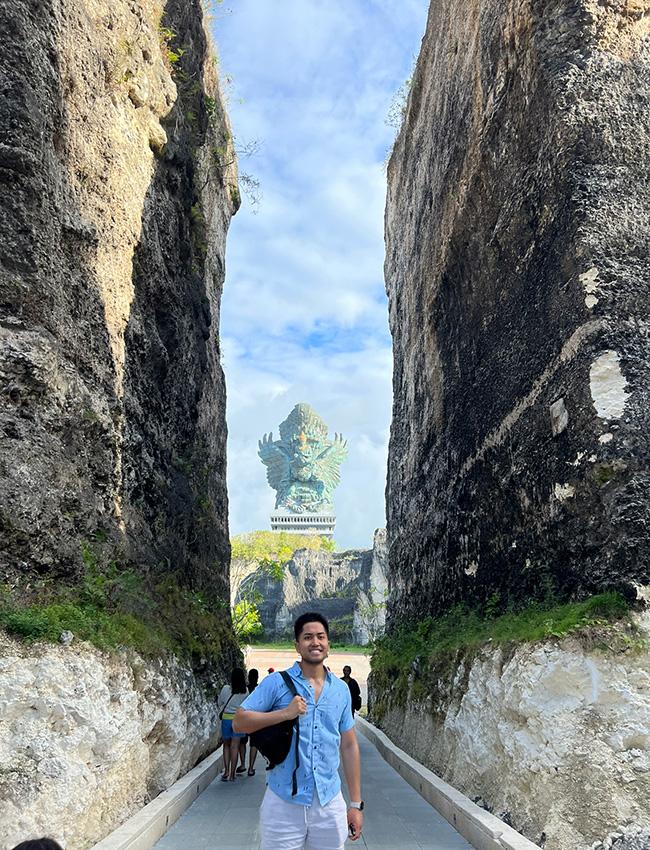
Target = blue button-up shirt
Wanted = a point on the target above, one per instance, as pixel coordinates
(320, 734)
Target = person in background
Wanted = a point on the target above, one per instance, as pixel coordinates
(253, 679)
(39, 844)
(230, 698)
(355, 690)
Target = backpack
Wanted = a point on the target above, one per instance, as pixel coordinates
(274, 742)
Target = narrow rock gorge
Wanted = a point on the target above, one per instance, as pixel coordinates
(119, 182)
(517, 237)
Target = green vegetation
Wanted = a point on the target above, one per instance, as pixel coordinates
(275, 545)
(246, 619)
(432, 641)
(112, 606)
(235, 196)
(166, 36)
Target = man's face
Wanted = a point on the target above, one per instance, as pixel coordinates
(313, 645)
(347, 670)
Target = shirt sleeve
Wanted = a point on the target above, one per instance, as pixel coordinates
(347, 720)
(222, 699)
(263, 697)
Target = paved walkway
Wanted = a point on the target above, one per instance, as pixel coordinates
(225, 816)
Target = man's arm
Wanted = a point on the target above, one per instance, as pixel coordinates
(352, 769)
(247, 720)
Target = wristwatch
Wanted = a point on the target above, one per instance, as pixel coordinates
(357, 806)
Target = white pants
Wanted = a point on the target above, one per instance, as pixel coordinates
(290, 826)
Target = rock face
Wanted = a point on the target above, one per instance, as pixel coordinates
(118, 177)
(553, 737)
(518, 231)
(116, 159)
(349, 588)
(86, 739)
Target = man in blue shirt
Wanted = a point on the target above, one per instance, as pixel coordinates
(315, 817)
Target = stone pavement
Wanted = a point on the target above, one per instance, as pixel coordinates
(225, 816)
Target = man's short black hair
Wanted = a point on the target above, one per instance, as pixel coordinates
(310, 617)
(39, 844)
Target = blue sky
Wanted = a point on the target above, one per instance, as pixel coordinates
(304, 314)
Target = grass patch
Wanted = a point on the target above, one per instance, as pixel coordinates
(106, 630)
(432, 640)
(113, 606)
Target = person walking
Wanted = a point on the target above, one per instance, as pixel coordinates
(353, 685)
(253, 679)
(230, 698)
(303, 808)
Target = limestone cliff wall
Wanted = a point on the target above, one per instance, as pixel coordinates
(349, 588)
(86, 739)
(518, 230)
(118, 182)
(553, 736)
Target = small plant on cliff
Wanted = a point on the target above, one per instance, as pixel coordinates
(246, 620)
(166, 36)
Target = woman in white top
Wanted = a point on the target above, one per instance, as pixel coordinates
(230, 698)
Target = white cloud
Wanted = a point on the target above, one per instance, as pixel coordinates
(304, 315)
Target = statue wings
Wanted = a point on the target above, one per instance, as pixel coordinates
(329, 461)
(275, 460)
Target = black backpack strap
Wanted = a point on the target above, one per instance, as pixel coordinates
(288, 681)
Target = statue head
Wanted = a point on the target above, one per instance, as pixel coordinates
(303, 464)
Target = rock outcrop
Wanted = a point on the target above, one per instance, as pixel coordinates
(86, 739)
(553, 737)
(116, 162)
(119, 182)
(518, 232)
(349, 588)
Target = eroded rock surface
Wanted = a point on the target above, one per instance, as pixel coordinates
(118, 181)
(111, 259)
(86, 739)
(518, 231)
(552, 737)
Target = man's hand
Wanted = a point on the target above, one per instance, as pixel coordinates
(355, 823)
(296, 707)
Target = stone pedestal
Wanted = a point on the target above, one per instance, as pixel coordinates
(323, 524)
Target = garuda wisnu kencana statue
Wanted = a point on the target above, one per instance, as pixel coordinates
(303, 465)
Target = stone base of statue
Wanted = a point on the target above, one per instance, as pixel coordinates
(304, 523)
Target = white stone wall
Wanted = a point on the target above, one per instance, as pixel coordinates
(86, 738)
(557, 737)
